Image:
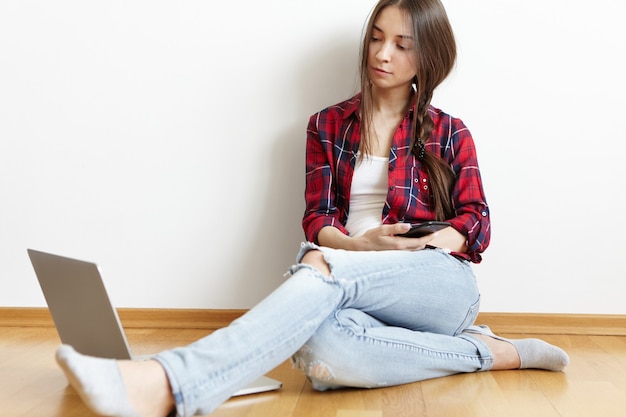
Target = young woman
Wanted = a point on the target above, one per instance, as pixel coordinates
(364, 306)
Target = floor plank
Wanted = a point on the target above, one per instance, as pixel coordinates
(593, 385)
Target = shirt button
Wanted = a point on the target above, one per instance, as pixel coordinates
(426, 187)
(392, 188)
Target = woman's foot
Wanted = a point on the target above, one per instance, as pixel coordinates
(505, 355)
(118, 388)
(520, 353)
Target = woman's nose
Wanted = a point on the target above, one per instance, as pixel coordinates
(384, 52)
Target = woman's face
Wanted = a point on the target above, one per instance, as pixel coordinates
(391, 56)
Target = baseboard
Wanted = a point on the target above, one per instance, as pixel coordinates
(509, 323)
(131, 318)
(573, 324)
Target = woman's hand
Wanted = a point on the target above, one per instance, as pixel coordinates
(384, 237)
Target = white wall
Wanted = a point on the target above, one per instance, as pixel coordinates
(165, 140)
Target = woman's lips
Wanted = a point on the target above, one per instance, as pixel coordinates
(380, 71)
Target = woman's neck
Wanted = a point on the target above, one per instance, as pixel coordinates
(391, 104)
(388, 111)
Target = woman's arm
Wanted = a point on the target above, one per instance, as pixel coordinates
(320, 194)
(381, 238)
(471, 221)
(450, 238)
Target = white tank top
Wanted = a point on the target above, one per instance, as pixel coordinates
(368, 194)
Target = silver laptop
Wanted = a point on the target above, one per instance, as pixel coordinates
(84, 316)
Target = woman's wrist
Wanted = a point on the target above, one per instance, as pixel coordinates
(332, 237)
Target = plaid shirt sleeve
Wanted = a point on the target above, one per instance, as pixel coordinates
(329, 145)
(471, 209)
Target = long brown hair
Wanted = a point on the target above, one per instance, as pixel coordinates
(435, 55)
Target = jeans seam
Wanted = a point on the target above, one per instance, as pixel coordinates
(404, 345)
(470, 317)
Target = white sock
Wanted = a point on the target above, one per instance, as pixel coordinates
(98, 382)
(537, 354)
(533, 353)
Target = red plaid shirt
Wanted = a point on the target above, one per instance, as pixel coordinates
(333, 137)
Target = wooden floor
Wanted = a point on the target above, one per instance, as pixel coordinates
(593, 385)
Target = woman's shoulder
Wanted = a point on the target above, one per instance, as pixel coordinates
(449, 133)
(444, 122)
(440, 116)
(341, 110)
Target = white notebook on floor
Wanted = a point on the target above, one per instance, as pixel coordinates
(84, 316)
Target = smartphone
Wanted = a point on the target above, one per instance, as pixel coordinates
(423, 229)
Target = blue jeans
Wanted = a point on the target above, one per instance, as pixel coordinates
(381, 319)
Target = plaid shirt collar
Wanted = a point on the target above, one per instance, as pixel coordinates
(353, 106)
